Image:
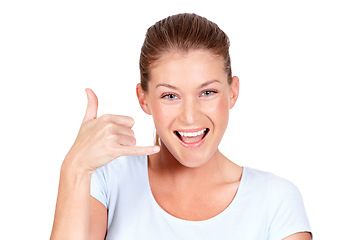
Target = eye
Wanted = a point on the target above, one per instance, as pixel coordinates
(208, 92)
(169, 96)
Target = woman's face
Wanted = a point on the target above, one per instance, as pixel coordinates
(189, 98)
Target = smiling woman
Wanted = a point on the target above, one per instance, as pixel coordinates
(185, 188)
(183, 98)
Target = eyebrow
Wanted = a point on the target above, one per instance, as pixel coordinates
(208, 83)
(166, 85)
(176, 88)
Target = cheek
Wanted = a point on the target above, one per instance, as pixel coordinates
(162, 115)
(219, 110)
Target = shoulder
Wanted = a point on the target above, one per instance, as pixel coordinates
(120, 170)
(123, 164)
(272, 182)
(120, 173)
(280, 193)
(282, 190)
(286, 212)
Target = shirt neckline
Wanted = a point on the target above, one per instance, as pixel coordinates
(228, 210)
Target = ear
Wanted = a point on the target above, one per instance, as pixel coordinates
(234, 91)
(142, 99)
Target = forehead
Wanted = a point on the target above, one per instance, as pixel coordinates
(194, 66)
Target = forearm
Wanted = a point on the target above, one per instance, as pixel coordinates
(72, 215)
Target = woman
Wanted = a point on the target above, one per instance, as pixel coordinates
(184, 188)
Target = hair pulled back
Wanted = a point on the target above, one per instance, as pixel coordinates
(182, 32)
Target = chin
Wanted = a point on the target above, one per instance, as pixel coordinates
(193, 163)
(191, 158)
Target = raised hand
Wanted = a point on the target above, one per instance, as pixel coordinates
(100, 140)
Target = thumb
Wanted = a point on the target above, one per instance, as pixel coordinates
(92, 105)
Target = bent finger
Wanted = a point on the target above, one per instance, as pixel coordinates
(119, 120)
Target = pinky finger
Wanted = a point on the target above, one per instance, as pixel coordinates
(139, 151)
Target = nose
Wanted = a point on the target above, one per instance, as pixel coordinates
(190, 112)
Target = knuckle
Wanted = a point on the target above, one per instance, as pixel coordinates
(131, 141)
(109, 127)
(134, 141)
(106, 117)
(130, 121)
(112, 144)
(131, 132)
(110, 138)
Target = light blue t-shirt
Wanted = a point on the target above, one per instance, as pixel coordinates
(266, 207)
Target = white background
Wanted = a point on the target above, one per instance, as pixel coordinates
(297, 113)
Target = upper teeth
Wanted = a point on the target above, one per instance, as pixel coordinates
(191, 134)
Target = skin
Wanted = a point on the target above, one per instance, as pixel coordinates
(187, 92)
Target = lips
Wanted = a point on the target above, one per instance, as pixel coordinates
(192, 137)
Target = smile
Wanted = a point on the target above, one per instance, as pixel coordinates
(191, 134)
(192, 138)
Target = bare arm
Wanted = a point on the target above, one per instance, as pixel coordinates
(72, 214)
(299, 236)
(100, 140)
(98, 220)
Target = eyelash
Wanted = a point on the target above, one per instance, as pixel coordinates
(167, 96)
(172, 96)
(211, 92)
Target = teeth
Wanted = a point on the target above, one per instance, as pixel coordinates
(191, 134)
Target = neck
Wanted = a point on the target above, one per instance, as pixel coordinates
(169, 168)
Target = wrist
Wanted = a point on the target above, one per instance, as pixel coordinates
(71, 166)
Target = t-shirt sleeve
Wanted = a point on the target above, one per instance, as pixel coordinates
(99, 188)
(287, 212)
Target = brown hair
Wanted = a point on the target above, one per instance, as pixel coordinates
(182, 32)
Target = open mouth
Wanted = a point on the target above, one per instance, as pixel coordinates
(192, 137)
